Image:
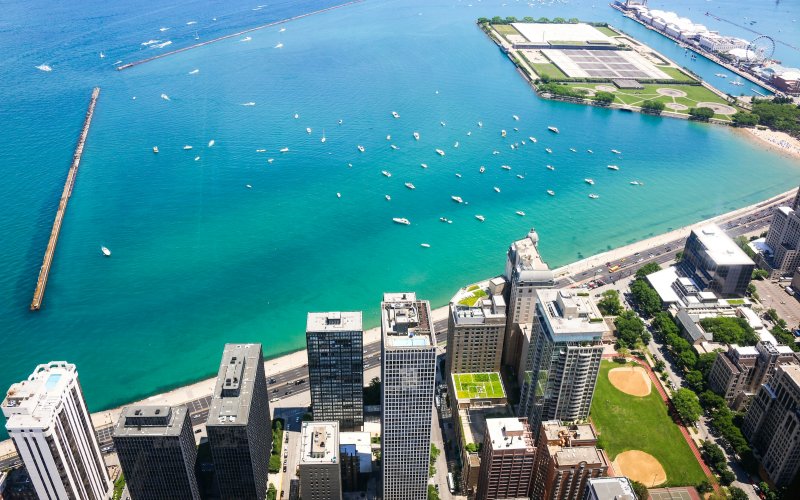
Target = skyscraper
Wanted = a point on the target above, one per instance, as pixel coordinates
(783, 241)
(715, 262)
(320, 463)
(507, 459)
(475, 336)
(562, 359)
(239, 429)
(772, 424)
(156, 450)
(52, 431)
(408, 373)
(525, 272)
(336, 367)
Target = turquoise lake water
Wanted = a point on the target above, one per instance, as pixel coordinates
(199, 259)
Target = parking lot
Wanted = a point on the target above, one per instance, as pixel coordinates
(774, 296)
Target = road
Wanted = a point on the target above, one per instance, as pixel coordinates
(286, 383)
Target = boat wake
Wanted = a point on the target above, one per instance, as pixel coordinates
(150, 42)
(194, 71)
(161, 45)
(44, 67)
(251, 103)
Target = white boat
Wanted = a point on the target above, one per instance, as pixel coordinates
(284, 150)
(440, 152)
(502, 133)
(594, 196)
(520, 176)
(457, 199)
(246, 39)
(445, 219)
(532, 139)
(341, 121)
(395, 114)
(520, 213)
(416, 136)
(388, 198)
(636, 183)
(573, 150)
(551, 192)
(616, 151)
(548, 150)
(281, 30)
(480, 124)
(388, 137)
(308, 130)
(613, 167)
(589, 181)
(155, 149)
(394, 147)
(469, 133)
(102, 56)
(338, 195)
(589, 151)
(496, 189)
(165, 97)
(196, 158)
(480, 218)
(515, 117)
(249, 103)
(424, 245)
(187, 147)
(402, 220)
(248, 186)
(360, 148)
(211, 142)
(458, 175)
(279, 46)
(423, 165)
(323, 139)
(513, 146)
(516, 129)
(505, 167)
(552, 129)
(296, 116)
(44, 67)
(270, 160)
(410, 186)
(522, 142)
(386, 173)
(550, 167)
(455, 145)
(105, 251)
(482, 169)
(442, 124)
(495, 152)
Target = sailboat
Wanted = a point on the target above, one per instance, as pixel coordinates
(323, 136)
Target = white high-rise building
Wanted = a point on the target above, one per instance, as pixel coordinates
(408, 374)
(47, 419)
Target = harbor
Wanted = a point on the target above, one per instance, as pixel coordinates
(47, 262)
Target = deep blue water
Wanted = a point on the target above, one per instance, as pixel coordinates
(199, 259)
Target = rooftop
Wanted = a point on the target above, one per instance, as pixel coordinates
(233, 392)
(612, 488)
(571, 314)
(488, 310)
(525, 262)
(509, 434)
(575, 455)
(405, 321)
(32, 403)
(720, 247)
(357, 444)
(578, 32)
(319, 443)
(140, 420)
(478, 386)
(334, 321)
(568, 435)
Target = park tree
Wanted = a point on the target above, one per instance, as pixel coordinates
(745, 119)
(497, 20)
(573, 20)
(727, 476)
(711, 400)
(687, 405)
(701, 114)
(629, 327)
(649, 268)
(759, 274)
(609, 305)
(695, 380)
(483, 20)
(433, 493)
(604, 98)
(528, 19)
(704, 487)
(559, 20)
(640, 490)
(510, 19)
(705, 361)
(646, 297)
(372, 393)
(729, 330)
(543, 20)
(652, 107)
(737, 493)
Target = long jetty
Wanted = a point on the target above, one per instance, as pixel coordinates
(47, 262)
(233, 35)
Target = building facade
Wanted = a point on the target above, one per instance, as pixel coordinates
(355, 456)
(47, 419)
(772, 424)
(320, 469)
(335, 348)
(475, 336)
(783, 241)
(239, 427)
(156, 450)
(562, 359)
(408, 374)
(567, 457)
(715, 262)
(507, 459)
(525, 273)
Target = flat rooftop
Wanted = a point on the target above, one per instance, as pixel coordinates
(233, 392)
(793, 370)
(32, 403)
(357, 444)
(546, 32)
(612, 64)
(509, 434)
(141, 420)
(720, 247)
(319, 443)
(405, 321)
(555, 431)
(487, 310)
(567, 457)
(478, 385)
(612, 488)
(570, 314)
(473, 420)
(334, 321)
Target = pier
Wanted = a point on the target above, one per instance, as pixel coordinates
(233, 35)
(47, 262)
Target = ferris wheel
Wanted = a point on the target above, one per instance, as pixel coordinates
(760, 49)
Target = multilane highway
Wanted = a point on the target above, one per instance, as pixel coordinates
(286, 383)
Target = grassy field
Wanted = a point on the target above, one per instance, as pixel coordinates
(549, 69)
(505, 29)
(478, 385)
(676, 73)
(631, 423)
(606, 31)
(477, 294)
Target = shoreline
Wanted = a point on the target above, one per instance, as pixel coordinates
(777, 142)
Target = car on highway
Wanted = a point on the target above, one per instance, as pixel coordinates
(272, 381)
(287, 393)
(284, 468)
(301, 381)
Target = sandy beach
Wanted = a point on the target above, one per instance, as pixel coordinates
(780, 142)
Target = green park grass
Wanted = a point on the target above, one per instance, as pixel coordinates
(477, 294)
(505, 30)
(677, 74)
(606, 31)
(628, 422)
(478, 385)
(548, 69)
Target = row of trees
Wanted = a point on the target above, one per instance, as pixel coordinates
(702, 114)
(604, 98)
(779, 113)
(527, 19)
(728, 330)
(277, 443)
(652, 107)
(644, 295)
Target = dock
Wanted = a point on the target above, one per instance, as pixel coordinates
(233, 35)
(47, 262)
